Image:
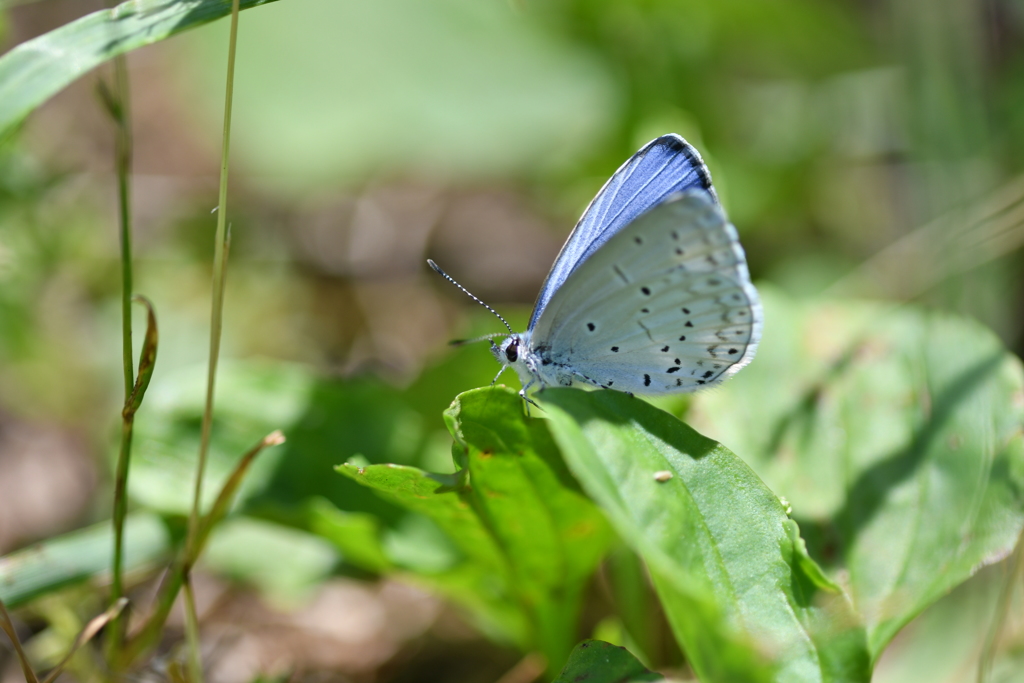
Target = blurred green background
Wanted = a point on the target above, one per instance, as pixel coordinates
(861, 148)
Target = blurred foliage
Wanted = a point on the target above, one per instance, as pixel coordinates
(600, 662)
(369, 136)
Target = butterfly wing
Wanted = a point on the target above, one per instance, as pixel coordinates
(665, 306)
(661, 168)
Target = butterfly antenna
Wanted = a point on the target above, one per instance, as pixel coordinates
(486, 337)
(450, 279)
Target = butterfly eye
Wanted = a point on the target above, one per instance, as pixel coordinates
(512, 352)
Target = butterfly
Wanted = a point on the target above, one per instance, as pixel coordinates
(650, 293)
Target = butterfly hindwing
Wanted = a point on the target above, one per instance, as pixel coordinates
(666, 306)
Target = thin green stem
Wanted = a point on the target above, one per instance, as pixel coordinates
(124, 169)
(219, 267)
(123, 153)
(195, 665)
(220, 256)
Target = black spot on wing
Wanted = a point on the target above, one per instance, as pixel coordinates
(647, 380)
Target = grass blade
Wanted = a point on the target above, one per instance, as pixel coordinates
(37, 69)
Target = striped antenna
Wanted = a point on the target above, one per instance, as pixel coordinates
(450, 279)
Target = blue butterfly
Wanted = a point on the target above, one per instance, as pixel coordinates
(651, 292)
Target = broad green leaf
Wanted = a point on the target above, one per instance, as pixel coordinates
(596, 661)
(80, 555)
(719, 546)
(943, 643)
(34, 71)
(896, 434)
(355, 534)
(638, 619)
(522, 524)
(551, 535)
(481, 582)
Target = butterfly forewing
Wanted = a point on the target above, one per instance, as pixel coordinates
(663, 167)
(666, 306)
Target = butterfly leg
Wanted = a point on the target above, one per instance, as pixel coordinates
(527, 399)
(589, 380)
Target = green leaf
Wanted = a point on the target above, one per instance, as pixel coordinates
(896, 433)
(550, 534)
(943, 643)
(717, 542)
(147, 358)
(481, 582)
(355, 534)
(80, 555)
(34, 71)
(595, 661)
(522, 521)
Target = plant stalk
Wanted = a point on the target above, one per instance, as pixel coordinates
(123, 159)
(216, 323)
(219, 268)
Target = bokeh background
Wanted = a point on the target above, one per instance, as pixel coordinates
(866, 148)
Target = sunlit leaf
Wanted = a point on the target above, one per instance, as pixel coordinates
(720, 548)
(522, 519)
(896, 434)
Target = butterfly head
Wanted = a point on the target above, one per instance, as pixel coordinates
(513, 351)
(508, 350)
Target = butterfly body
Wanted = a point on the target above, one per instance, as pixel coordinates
(651, 292)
